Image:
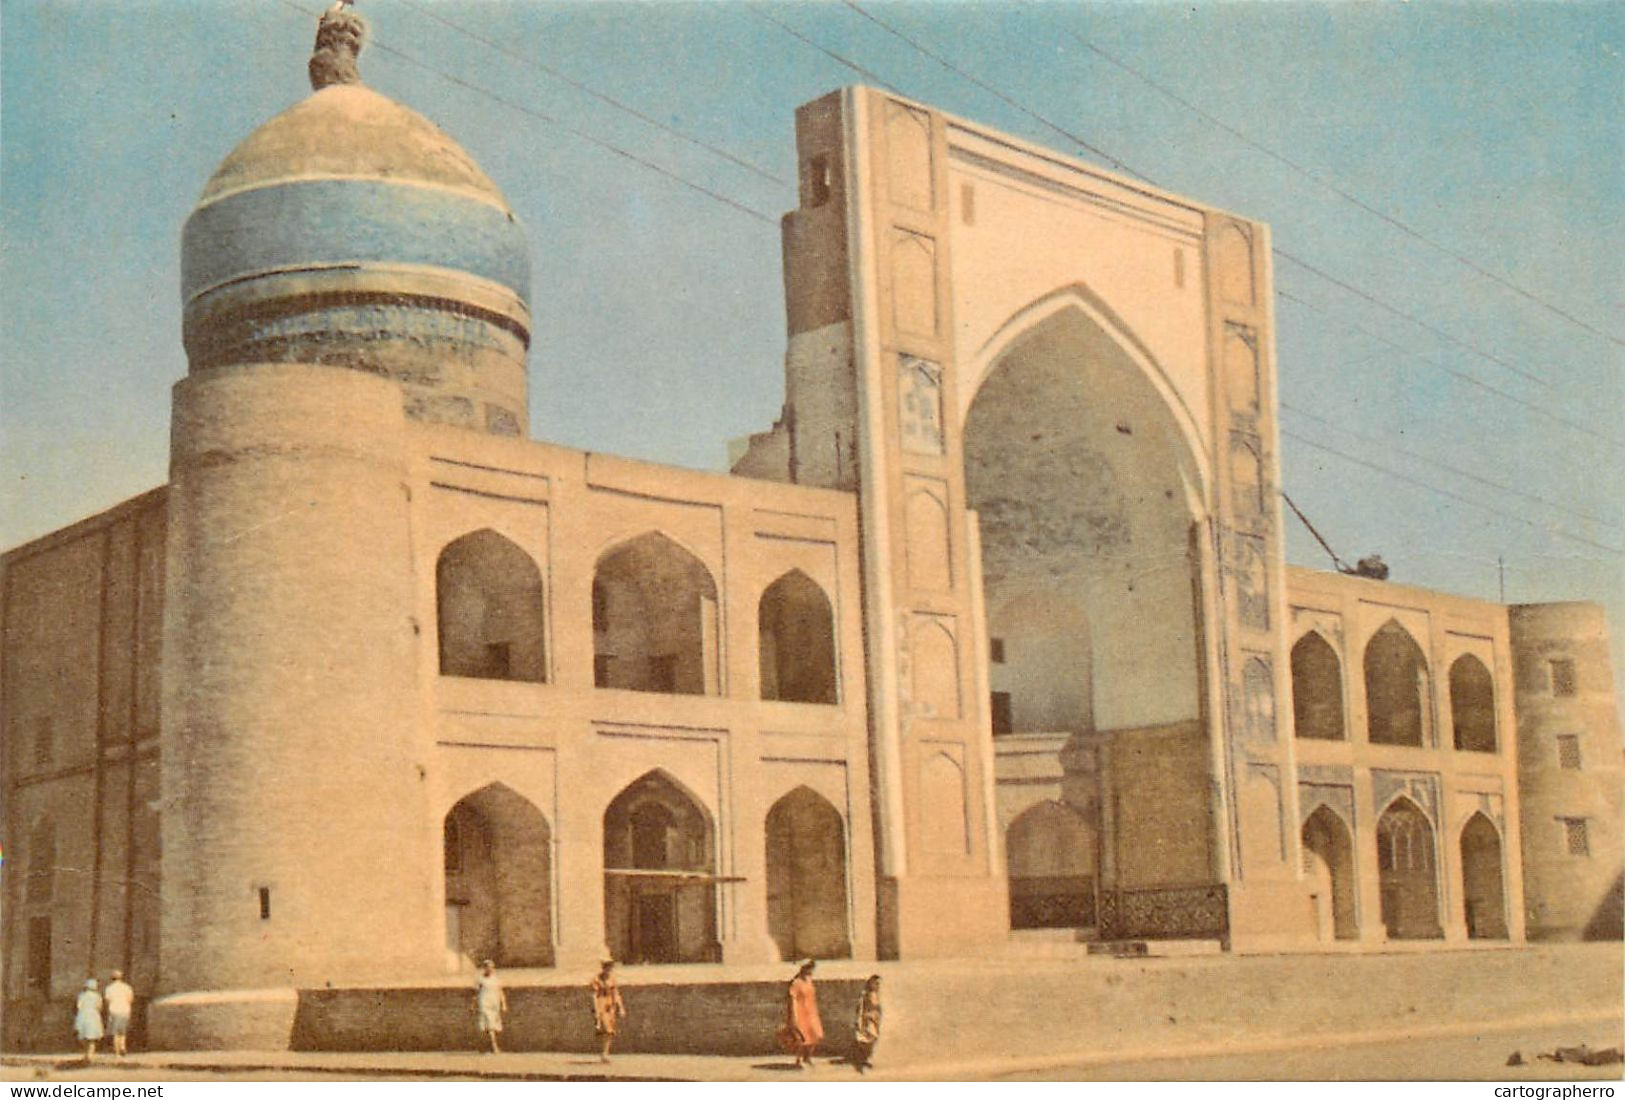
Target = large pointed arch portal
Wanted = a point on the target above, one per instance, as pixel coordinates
(1088, 496)
(976, 325)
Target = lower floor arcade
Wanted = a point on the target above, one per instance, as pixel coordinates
(1385, 856)
(672, 887)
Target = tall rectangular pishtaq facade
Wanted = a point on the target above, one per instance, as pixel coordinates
(1053, 390)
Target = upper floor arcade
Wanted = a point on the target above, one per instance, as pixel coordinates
(1398, 676)
(574, 584)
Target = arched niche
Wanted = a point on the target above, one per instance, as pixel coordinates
(1328, 849)
(1317, 689)
(1050, 854)
(1472, 705)
(1483, 886)
(489, 610)
(796, 633)
(498, 865)
(1398, 698)
(654, 617)
(1407, 872)
(660, 885)
(806, 877)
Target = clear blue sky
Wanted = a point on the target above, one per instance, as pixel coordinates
(1494, 130)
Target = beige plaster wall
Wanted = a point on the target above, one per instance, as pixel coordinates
(569, 748)
(1358, 780)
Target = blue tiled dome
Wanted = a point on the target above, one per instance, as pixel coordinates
(351, 231)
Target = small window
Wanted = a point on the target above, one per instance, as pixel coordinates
(1576, 836)
(41, 863)
(44, 743)
(1564, 681)
(1002, 722)
(39, 956)
(1568, 751)
(818, 181)
(265, 903)
(452, 842)
(995, 650)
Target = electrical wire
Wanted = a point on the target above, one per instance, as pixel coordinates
(1342, 192)
(542, 116)
(1470, 379)
(1557, 531)
(581, 86)
(1284, 254)
(868, 74)
(1589, 517)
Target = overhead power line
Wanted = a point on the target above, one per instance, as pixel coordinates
(1419, 483)
(1411, 317)
(868, 74)
(582, 86)
(1589, 517)
(1471, 380)
(760, 216)
(1343, 193)
(1070, 135)
(991, 90)
(542, 116)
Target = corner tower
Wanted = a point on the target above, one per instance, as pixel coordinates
(348, 268)
(1569, 771)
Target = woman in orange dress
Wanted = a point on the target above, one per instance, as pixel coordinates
(803, 1030)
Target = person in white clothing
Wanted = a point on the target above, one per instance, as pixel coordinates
(119, 998)
(490, 1002)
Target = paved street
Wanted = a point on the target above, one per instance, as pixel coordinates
(1455, 1057)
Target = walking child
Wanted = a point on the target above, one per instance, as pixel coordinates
(866, 1027)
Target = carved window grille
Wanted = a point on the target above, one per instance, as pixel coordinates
(44, 743)
(1576, 836)
(1564, 680)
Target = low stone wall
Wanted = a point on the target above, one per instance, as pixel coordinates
(737, 1018)
(975, 1009)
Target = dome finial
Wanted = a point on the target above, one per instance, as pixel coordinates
(339, 36)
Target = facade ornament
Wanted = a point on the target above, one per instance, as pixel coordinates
(339, 37)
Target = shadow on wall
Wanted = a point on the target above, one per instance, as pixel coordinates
(733, 1018)
(1608, 922)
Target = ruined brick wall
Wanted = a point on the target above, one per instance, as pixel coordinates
(81, 655)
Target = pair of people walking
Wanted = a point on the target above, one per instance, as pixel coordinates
(803, 1029)
(118, 1001)
(608, 1008)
